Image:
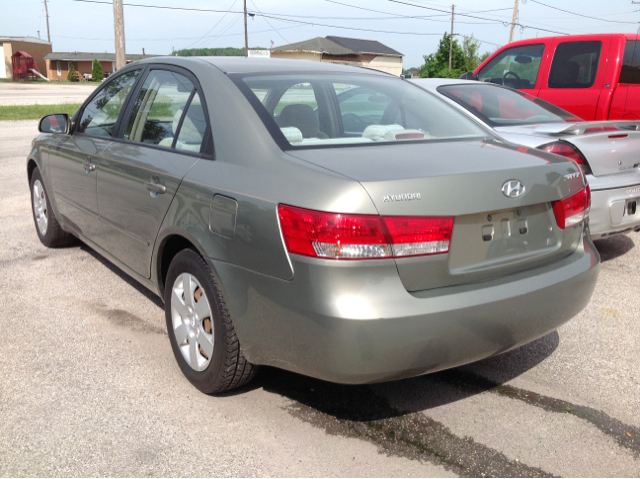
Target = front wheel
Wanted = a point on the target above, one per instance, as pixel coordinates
(49, 230)
(202, 335)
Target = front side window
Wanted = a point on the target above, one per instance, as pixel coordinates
(631, 64)
(498, 106)
(159, 107)
(516, 67)
(371, 109)
(99, 118)
(575, 65)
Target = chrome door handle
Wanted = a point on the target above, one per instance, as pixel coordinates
(88, 166)
(155, 187)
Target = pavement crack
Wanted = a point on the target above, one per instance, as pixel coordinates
(358, 412)
(625, 435)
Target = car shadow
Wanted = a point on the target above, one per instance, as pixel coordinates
(155, 299)
(614, 246)
(364, 403)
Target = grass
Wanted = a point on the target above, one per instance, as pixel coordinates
(34, 112)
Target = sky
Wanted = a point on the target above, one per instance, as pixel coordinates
(412, 27)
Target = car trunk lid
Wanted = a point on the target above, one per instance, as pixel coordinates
(610, 147)
(492, 234)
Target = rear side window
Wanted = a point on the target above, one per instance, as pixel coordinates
(631, 64)
(159, 108)
(516, 67)
(100, 116)
(575, 65)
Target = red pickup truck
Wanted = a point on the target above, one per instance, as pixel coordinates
(595, 77)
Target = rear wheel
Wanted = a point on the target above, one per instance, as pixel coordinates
(49, 230)
(202, 335)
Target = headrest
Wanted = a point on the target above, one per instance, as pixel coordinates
(301, 117)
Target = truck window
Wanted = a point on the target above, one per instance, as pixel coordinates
(631, 64)
(575, 65)
(516, 67)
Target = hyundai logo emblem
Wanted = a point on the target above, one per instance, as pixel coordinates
(513, 189)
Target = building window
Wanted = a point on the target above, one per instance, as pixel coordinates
(58, 68)
(113, 66)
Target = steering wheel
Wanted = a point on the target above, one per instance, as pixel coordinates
(509, 72)
(353, 123)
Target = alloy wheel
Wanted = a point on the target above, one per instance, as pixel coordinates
(40, 209)
(191, 320)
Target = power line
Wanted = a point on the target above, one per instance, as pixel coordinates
(268, 23)
(214, 27)
(580, 15)
(505, 23)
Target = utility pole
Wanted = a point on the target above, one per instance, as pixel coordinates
(118, 20)
(46, 11)
(246, 38)
(453, 10)
(514, 19)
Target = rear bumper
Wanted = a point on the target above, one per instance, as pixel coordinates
(358, 324)
(609, 213)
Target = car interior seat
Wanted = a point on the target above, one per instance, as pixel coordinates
(303, 118)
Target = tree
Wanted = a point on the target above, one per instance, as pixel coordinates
(465, 58)
(71, 76)
(96, 72)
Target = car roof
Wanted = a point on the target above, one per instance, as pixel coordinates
(272, 65)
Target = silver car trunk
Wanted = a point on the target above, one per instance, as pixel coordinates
(493, 235)
(607, 152)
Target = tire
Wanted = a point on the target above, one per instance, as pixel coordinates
(47, 226)
(208, 353)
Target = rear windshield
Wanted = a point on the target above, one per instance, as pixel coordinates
(336, 110)
(499, 106)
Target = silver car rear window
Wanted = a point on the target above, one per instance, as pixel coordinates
(338, 110)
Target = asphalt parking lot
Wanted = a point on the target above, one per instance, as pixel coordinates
(89, 385)
(16, 93)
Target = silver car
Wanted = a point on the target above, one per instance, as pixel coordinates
(330, 220)
(607, 151)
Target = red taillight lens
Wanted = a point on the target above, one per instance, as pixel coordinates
(565, 149)
(574, 209)
(419, 235)
(339, 236)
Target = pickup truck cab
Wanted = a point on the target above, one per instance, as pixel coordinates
(595, 77)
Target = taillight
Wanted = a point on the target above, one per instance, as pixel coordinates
(599, 129)
(339, 236)
(568, 151)
(574, 209)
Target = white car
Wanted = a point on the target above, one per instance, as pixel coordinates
(607, 151)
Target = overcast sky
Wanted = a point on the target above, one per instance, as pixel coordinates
(88, 27)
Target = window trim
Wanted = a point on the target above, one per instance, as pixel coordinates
(149, 67)
(555, 51)
(544, 49)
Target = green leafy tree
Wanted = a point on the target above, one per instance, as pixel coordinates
(465, 58)
(96, 71)
(213, 52)
(71, 76)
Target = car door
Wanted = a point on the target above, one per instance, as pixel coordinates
(576, 76)
(165, 133)
(518, 67)
(630, 81)
(72, 162)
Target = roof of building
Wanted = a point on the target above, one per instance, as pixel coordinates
(89, 57)
(23, 39)
(339, 46)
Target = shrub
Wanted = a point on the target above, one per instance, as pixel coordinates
(71, 76)
(96, 72)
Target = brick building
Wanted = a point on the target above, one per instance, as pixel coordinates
(35, 47)
(59, 63)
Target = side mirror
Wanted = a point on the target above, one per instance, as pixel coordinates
(57, 123)
(468, 76)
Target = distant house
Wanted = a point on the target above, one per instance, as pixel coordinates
(59, 63)
(33, 46)
(348, 51)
